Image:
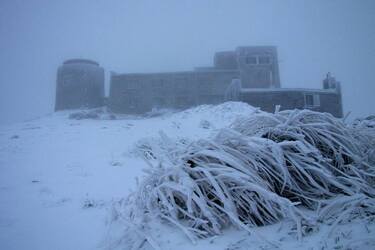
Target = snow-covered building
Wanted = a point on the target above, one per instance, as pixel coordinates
(255, 66)
(249, 74)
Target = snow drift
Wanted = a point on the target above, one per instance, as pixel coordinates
(300, 165)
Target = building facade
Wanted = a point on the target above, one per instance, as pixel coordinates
(80, 84)
(139, 93)
(325, 100)
(255, 67)
(249, 74)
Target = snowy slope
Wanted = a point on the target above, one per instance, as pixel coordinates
(59, 177)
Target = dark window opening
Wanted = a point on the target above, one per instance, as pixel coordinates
(312, 100)
(264, 60)
(309, 100)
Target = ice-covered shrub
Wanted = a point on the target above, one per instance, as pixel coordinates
(263, 168)
(160, 149)
(364, 131)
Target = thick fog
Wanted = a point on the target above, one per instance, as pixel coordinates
(313, 37)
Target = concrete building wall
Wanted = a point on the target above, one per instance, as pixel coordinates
(225, 60)
(259, 66)
(139, 93)
(318, 100)
(80, 84)
(126, 92)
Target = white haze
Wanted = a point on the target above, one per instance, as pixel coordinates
(313, 37)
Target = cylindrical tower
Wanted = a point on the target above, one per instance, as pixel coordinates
(80, 84)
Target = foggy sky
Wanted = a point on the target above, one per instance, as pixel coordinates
(313, 37)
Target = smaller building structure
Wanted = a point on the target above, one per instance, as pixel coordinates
(80, 84)
(322, 100)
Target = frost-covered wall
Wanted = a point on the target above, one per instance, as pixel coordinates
(80, 83)
(318, 100)
(226, 60)
(256, 66)
(138, 93)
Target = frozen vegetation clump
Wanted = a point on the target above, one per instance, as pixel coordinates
(364, 131)
(298, 165)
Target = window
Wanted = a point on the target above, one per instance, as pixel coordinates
(312, 100)
(309, 100)
(264, 60)
(258, 59)
(251, 60)
(316, 100)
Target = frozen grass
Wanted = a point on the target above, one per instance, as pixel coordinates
(299, 165)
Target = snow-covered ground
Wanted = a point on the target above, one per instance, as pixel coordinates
(59, 178)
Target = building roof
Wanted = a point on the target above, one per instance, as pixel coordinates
(82, 61)
(195, 71)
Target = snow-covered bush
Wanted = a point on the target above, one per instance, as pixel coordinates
(364, 130)
(261, 169)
